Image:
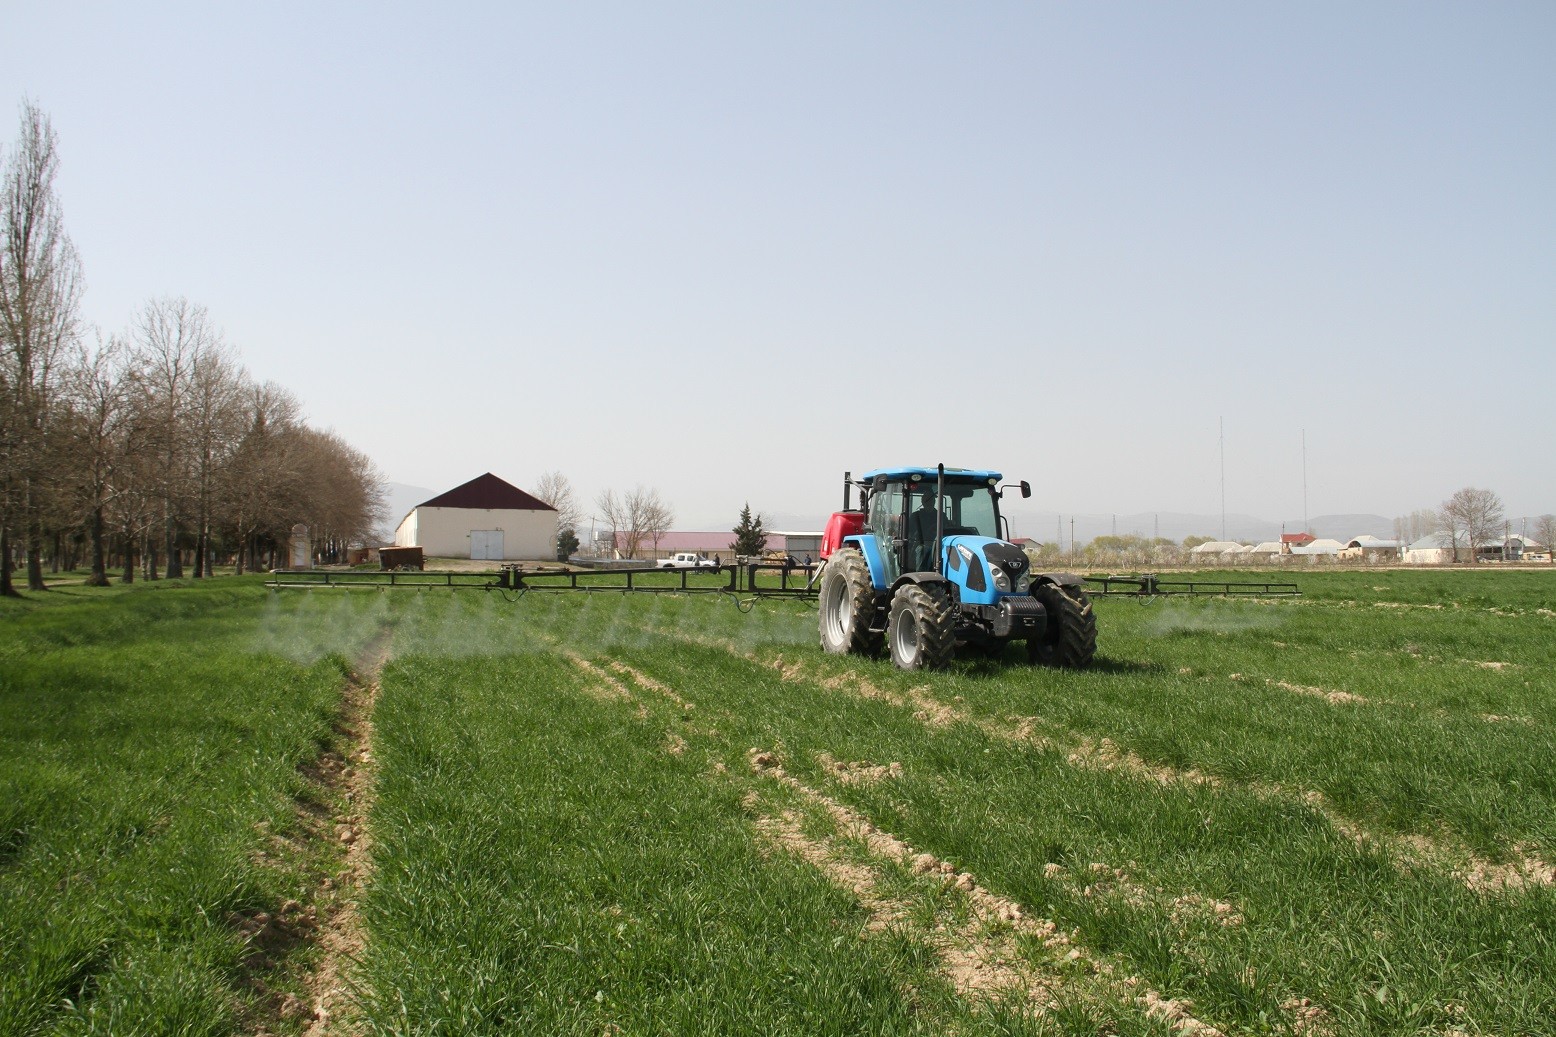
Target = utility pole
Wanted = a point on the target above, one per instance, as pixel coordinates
(1305, 528)
(1221, 436)
(1072, 533)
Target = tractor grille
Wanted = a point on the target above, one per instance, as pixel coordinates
(1021, 605)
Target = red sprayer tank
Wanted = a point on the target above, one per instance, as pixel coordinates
(841, 524)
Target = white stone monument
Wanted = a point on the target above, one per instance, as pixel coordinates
(302, 549)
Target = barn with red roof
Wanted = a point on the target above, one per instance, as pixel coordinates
(485, 518)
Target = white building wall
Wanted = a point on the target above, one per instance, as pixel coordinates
(445, 532)
(405, 535)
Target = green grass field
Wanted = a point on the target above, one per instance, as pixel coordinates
(656, 814)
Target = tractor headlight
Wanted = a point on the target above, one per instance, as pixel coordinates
(1024, 583)
(1001, 578)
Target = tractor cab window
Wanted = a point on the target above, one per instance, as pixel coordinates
(963, 508)
(969, 508)
(885, 522)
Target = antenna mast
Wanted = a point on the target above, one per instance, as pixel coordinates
(1222, 440)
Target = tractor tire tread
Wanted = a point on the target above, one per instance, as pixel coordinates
(1071, 640)
(930, 608)
(857, 639)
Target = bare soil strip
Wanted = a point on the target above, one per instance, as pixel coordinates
(980, 955)
(1524, 870)
(1329, 695)
(346, 773)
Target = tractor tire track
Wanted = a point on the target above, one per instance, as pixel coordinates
(341, 936)
(1521, 871)
(979, 953)
(980, 956)
(344, 775)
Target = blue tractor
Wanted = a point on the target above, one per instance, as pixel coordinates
(925, 566)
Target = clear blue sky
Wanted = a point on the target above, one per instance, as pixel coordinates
(730, 250)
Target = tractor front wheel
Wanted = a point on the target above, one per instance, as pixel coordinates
(920, 631)
(847, 605)
(1071, 638)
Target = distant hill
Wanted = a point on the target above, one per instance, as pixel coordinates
(401, 499)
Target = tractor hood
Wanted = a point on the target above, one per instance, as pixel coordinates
(985, 568)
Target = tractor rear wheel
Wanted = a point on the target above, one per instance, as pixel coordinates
(920, 631)
(847, 605)
(1071, 638)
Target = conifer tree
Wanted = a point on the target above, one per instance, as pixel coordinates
(750, 537)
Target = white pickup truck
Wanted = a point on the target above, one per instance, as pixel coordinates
(687, 560)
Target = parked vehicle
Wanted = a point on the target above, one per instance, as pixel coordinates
(687, 560)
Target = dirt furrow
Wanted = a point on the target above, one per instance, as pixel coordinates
(345, 773)
(980, 956)
(1523, 870)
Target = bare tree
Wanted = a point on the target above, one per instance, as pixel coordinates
(259, 484)
(654, 516)
(1420, 523)
(1477, 514)
(40, 291)
(634, 517)
(92, 421)
(212, 428)
(176, 342)
(1545, 532)
(337, 492)
(554, 488)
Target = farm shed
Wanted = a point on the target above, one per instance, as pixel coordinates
(1269, 551)
(1371, 550)
(1437, 549)
(1319, 547)
(798, 543)
(1514, 548)
(1217, 551)
(485, 518)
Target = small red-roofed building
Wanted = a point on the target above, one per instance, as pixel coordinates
(485, 518)
(1289, 541)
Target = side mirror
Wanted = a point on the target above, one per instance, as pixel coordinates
(1026, 488)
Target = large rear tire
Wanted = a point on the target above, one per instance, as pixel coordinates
(1071, 638)
(920, 632)
(847, 605)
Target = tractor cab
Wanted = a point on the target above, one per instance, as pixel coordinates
(911, 512)
(926, 561)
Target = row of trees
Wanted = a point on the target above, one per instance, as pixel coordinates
(149, 446)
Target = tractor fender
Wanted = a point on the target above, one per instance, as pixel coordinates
(925, 579)
(872, 557)
(1058, 580)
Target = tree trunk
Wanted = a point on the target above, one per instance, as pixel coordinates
(175, 565)
(35, 558)
(129, 558)
(149, 553)
(7, 588)
(199, 557)
(99, 576)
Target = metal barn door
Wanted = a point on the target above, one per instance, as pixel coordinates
(486, 544)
